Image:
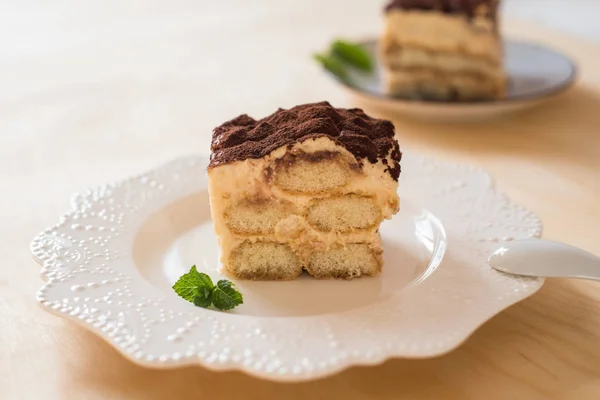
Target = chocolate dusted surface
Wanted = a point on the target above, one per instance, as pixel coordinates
(468, 7)
(366, 138)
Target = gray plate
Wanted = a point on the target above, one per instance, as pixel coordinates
(534, 72)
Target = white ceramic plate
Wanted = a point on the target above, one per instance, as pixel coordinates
(535, 74)
(110, 263)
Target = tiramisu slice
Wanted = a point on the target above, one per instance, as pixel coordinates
(304, 188)
(443, 49)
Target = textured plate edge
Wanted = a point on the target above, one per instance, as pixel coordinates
(289, 378)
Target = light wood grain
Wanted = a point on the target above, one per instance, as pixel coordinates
(95, 91)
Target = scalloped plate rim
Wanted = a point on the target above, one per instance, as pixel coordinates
(283, 378)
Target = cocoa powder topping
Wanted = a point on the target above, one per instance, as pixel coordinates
(468, 7)
(366, 138)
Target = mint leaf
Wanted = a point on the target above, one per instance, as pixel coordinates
(352, 54)
(224, 296)
(333, 65)
(197, 287)
(194, 285)
(203, 300)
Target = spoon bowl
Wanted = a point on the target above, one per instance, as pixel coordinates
(546, 259)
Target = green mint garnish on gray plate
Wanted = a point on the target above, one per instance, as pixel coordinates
(353, 55)
(343, 55)
(333, 65)
(197, 287)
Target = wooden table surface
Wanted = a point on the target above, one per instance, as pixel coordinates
(95, 91)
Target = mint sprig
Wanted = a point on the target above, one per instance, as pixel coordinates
(197, 287)
(193, 284)
(224, 296)
(333, 65)
(352, 54)
(343, 55)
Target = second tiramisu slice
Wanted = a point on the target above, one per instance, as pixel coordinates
(443, 49)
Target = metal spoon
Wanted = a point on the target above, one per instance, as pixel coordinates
(544, 258)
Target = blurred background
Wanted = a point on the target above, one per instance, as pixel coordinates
(95, 91)
(125, 73)
(571, 16)
(43, 44)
